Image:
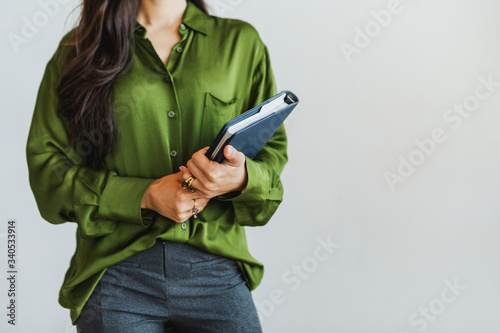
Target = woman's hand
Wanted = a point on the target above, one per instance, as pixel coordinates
(166, 197)
(214, 179)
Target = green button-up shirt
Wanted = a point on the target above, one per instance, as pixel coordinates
(164, 114)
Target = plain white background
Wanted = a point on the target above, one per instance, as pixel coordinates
(396, 251)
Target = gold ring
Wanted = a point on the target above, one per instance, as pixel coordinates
(191, 180)
(188, 182)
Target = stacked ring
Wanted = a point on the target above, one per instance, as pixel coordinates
(187, 184)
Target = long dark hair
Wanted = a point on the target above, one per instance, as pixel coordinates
(100, 49)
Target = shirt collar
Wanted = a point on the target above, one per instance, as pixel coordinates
(139, 29)
(194, 18)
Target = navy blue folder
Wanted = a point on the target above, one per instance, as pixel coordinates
(252, 138)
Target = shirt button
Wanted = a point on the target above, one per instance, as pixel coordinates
(168, 79)
(179, 49)
(173, 153)
(184, 226)
(171, 114)
(182, 26)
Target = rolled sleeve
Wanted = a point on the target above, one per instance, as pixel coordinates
(122, 198)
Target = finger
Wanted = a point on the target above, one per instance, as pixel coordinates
(181, 216)
(233, 157)
(187, 208)
(200, 159)
(185, 172)
(210, 169)
(200, 191)
(196, 191)
(194, 209)
(186, 195)
(178, 176)
(201, 203)
(202, 151)
(198, 174)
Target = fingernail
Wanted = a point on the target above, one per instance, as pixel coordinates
(230, 150)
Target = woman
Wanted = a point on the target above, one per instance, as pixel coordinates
(125, 107)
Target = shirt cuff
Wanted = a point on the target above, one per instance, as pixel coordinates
(257, 184)
(122, 198)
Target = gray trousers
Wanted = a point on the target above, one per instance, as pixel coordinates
(171, 287)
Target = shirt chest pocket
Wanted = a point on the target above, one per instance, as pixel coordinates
(216, 112)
